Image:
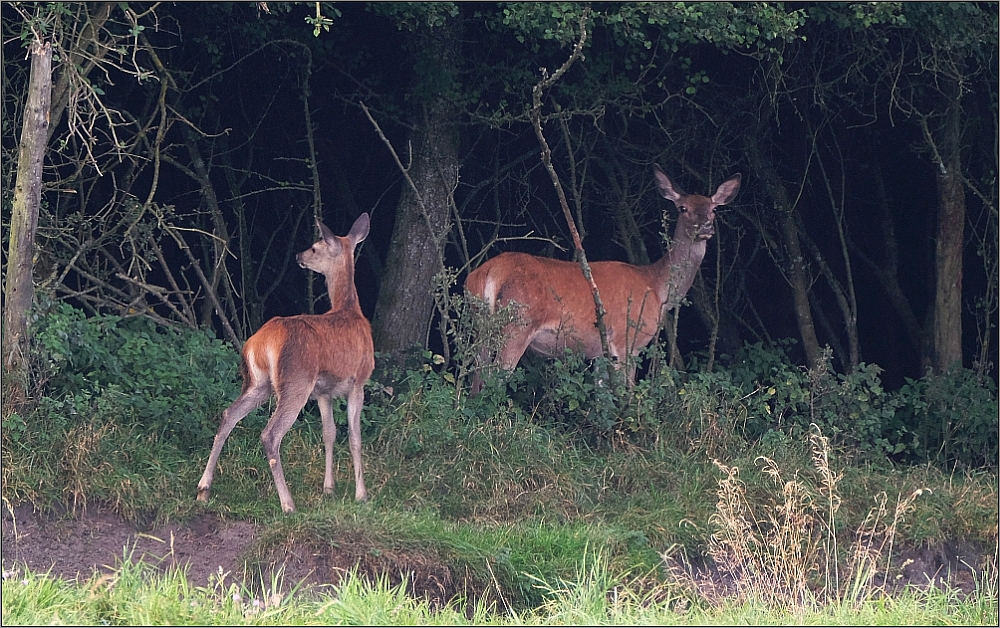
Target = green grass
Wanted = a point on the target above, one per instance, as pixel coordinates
(509, 504)
(537, 520)
(136, 594)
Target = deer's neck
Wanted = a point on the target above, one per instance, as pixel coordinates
(342, 292)
(676, 269)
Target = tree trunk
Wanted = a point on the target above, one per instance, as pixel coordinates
(796, 274)
(416, 253)
(800, 288)
(19, 287)
(887, 267)
(948, 248)
(844, 295)
(219, 244)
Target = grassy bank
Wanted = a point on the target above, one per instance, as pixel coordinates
(513, 507)
(769, 495)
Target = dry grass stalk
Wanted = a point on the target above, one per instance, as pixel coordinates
(781, 549)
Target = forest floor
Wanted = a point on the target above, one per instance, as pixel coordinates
(95, 542)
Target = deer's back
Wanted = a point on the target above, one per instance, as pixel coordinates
(333, 347)
(557, 294)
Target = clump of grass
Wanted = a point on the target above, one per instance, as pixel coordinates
(95, 462)
(440, 559)
(137, 594)
(596, 594)
(781, 548)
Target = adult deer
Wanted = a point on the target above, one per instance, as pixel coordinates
(306, 357)
(558, 304)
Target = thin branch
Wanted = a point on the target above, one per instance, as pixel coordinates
(536, 119)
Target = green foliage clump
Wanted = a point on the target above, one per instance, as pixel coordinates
(129, 371)
(953, 416)
(950, 418)
(853, 409)
(761, 396)
(119, 406)
(569, 392)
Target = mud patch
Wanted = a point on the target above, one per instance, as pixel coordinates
(95, 542)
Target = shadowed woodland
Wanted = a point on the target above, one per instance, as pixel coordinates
(165, 169)
(186, 150)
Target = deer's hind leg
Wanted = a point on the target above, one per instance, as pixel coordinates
(291, 400)
(248, 401)
(325, 403)
(355, 401)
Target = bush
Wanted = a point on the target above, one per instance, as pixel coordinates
(568, 391)
(954, 417)
(853, 409)
(760, 396)
(131, 371)
(950, 418)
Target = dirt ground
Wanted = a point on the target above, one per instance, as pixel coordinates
(96, 541)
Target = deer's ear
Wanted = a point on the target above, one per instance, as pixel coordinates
(727, 190)
(666, 187)
(325, 231)
(360, 229)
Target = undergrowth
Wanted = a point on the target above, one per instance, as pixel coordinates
(796, 486)
(781, 547)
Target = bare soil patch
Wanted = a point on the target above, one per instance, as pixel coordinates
(96, 541)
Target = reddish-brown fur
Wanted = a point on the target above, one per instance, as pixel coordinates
(308, 357)
(559, 308)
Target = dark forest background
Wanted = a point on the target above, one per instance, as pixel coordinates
(190, 145)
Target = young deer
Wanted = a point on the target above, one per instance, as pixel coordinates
(559, 306)
(308, 357)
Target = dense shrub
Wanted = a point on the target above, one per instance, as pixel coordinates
(953, 417)
(851, 409)
(760, 395)
(950, 418)
(174, 382)
(568, 391)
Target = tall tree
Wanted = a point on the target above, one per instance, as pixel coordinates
(423, 216)
(926, 57)
(18, 282)
(946, 141)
